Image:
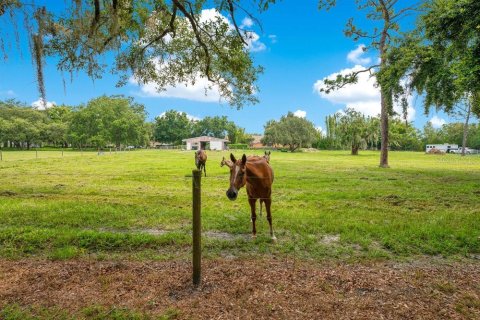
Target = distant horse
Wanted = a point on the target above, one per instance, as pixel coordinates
(257, 175)
(225, 162)
(266, 156)
(201, 160)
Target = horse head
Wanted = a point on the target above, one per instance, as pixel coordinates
(266, 156)
(238, 176)
(197, 160)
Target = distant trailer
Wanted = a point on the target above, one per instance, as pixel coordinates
(446, 147)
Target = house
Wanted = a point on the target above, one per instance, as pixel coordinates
(446, 147)
(206, 143)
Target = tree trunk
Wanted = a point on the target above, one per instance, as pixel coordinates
(383, 98)
(354, 151)
(465, 128)
(384, 133)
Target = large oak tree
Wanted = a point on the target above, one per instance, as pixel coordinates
(164, 42)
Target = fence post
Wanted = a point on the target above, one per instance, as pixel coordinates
(197, 227)
(36, 153)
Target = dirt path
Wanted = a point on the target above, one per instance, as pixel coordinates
(250, 289)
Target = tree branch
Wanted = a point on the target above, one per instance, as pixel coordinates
(193, 23)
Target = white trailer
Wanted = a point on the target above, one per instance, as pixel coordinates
(446, 147)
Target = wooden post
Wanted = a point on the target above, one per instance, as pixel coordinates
(197, 227)
(36, 153)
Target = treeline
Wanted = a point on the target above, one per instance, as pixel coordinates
(352, 130)
(107, 121)
(173, 126)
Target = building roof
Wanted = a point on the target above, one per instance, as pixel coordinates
(203, 139)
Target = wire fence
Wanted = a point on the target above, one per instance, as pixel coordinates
(309, 223)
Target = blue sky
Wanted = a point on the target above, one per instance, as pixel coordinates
(299, 45)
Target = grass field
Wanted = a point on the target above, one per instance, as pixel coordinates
(326, 205)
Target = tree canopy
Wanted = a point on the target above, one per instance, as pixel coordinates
(290, 131)
(441, 58)
(172, 126)
(156, 41)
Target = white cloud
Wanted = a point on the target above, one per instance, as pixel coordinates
(39, 105)
(202, 90)
(189, 116)
(355, 56)
(320, 129)
(300, 113)
(246, 22)
(253, 41)
(8, 93)
(437, 122)
(211, 15)
(363, 96)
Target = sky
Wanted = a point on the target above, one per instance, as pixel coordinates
(298, 46)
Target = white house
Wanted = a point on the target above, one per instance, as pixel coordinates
(446, 147)
(205, 142)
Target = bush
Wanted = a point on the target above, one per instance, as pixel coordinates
(242, 146)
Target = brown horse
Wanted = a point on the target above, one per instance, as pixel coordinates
(226, 162)
(257, 175)
(201, 160)
(266, 156)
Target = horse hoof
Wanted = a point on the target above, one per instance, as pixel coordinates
(274, 239)
(254, 236)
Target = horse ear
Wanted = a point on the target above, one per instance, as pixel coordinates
(244, 159)
(232, 157)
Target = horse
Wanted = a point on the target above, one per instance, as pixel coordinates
(226, 162)
(229, 164)
(266, 156)
(257, 175)
(201, 160)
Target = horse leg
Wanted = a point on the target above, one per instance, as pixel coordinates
(252, 202)
(205, 170)
(268, 203)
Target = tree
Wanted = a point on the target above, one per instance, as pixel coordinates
(291, 131)
(353, 129)
(172, 127)
(24, 125)
(217, 126)
(106, 120)
(431, 135)
(383, 11)
(404, 136)
(442, 58)
(159, 41)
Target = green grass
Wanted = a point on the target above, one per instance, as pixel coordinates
(16, 312)
(325, 205)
